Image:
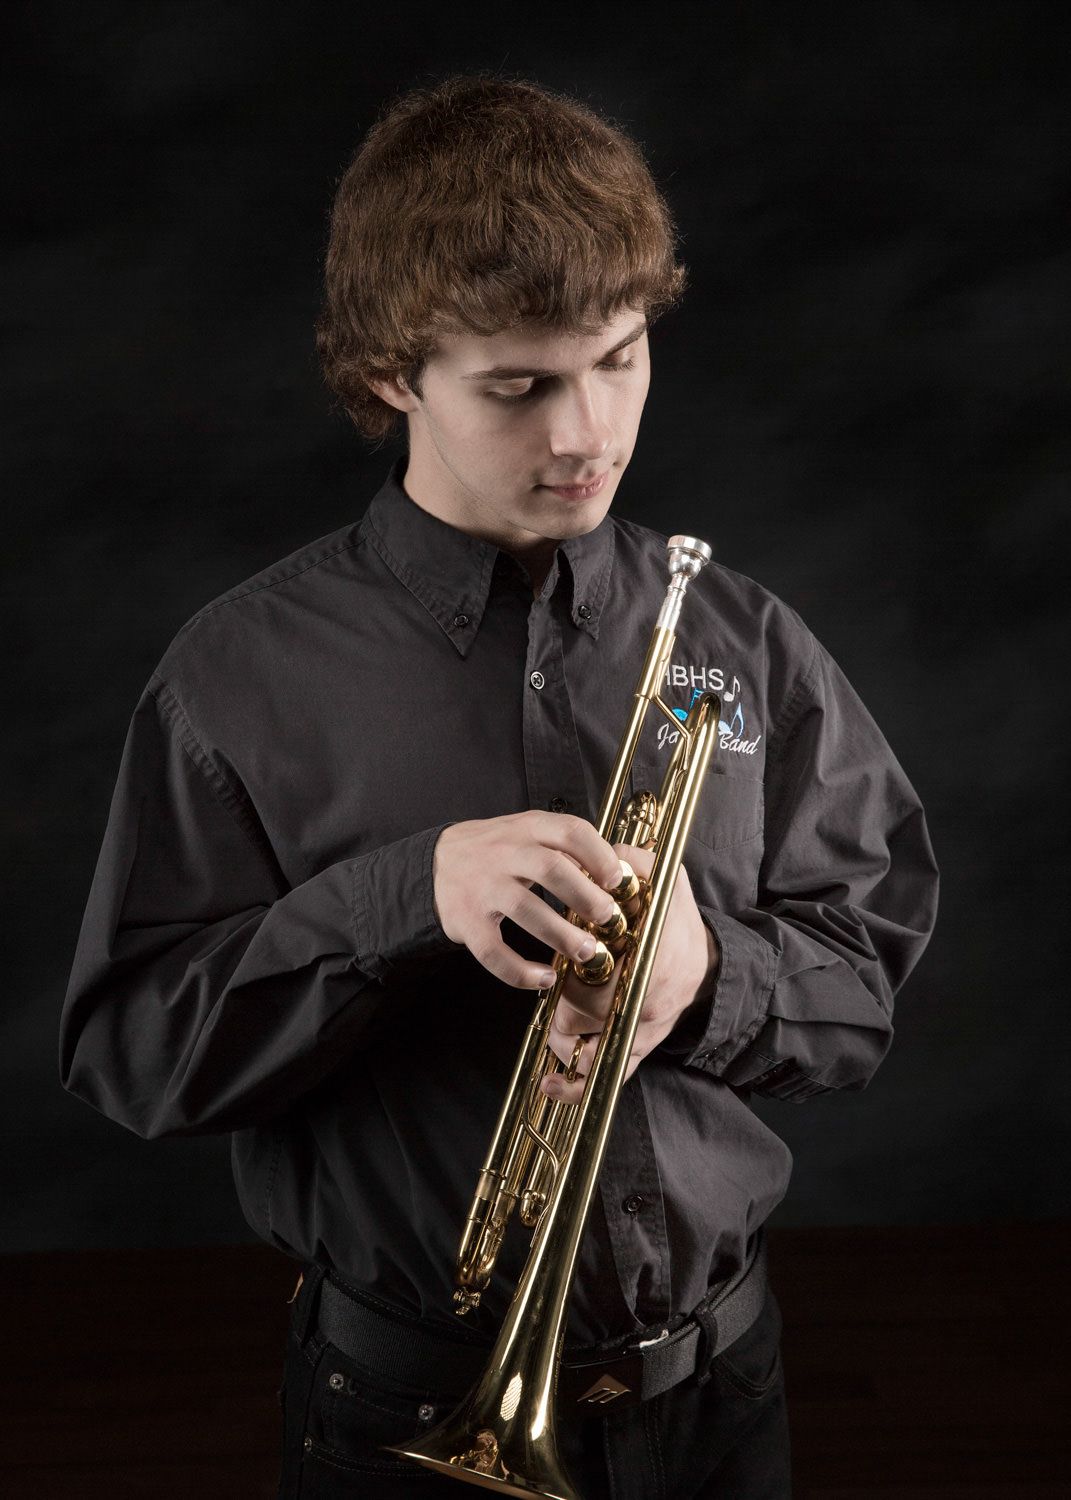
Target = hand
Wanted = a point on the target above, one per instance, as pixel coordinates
(687, 956)
(483, 870)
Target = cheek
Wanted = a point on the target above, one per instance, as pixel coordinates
(636, 394)
(477, 422)
(468, 420)
(627, 412)
(478, 444)
(492, 433)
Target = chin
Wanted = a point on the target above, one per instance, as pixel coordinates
(558, 519)
(599, 502)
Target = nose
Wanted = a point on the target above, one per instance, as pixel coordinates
(579, 428)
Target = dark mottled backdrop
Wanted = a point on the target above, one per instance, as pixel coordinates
(863, 402)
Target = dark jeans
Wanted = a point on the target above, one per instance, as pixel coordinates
(725, 1440)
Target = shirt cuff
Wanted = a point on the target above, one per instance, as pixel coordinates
(394, 905)
(730, 1018)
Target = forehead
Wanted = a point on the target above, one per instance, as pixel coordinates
(533, 344)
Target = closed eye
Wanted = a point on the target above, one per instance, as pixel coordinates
(625, 364)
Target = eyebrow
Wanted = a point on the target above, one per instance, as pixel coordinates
(515, 372)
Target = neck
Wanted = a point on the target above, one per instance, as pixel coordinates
(537, 562)
(463, 512)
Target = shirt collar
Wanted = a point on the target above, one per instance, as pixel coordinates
(450, 572)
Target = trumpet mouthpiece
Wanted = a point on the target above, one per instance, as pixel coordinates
(687, 554)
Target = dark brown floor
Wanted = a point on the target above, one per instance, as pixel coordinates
(927, 1364)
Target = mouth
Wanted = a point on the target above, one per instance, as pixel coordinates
(578, 491)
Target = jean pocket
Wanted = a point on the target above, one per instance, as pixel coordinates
(751, 1365)
(355, 1416)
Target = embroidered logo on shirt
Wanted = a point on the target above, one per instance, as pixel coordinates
(731, 734)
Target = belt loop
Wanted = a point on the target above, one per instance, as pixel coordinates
(708, 1342)
(706, 1314)
(308, 1299)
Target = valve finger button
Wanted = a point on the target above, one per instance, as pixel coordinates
(596, 969)
(613, 930)
(628, 887)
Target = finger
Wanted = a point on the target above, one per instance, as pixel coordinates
(499, 959)
(564, 1048)
(577, 1020)
(559, 874)
(591, 999)
(641, 860)
(544, 923)
(578, 837)
(557, 1085)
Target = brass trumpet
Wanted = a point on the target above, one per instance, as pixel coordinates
(545, 1155)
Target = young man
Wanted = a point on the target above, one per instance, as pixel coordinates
(357, 799)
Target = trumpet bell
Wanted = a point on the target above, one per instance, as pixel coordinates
(515, 1462)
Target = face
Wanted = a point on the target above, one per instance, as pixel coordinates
(504, 420)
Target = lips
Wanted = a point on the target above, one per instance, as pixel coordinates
(579, 491)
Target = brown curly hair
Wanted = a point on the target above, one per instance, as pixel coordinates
(472, 206)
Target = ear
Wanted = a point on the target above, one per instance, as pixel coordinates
(395, 393)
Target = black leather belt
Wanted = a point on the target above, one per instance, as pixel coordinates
(622, 1373)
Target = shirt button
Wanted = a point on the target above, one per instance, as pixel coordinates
(425, 1412)
(584, 611)
(461, 620)
(537, 680)
(633, 1204)
(558, 804)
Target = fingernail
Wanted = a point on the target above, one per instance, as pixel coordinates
(546, 979)
(586, 948)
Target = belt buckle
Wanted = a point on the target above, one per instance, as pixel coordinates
(602, 1383)
(616, 1380)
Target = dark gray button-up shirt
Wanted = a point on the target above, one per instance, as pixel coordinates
(260, 952)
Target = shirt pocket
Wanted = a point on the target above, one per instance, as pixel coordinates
(729, 810)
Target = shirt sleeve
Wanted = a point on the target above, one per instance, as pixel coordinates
(206, 992)
(802, 1002)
